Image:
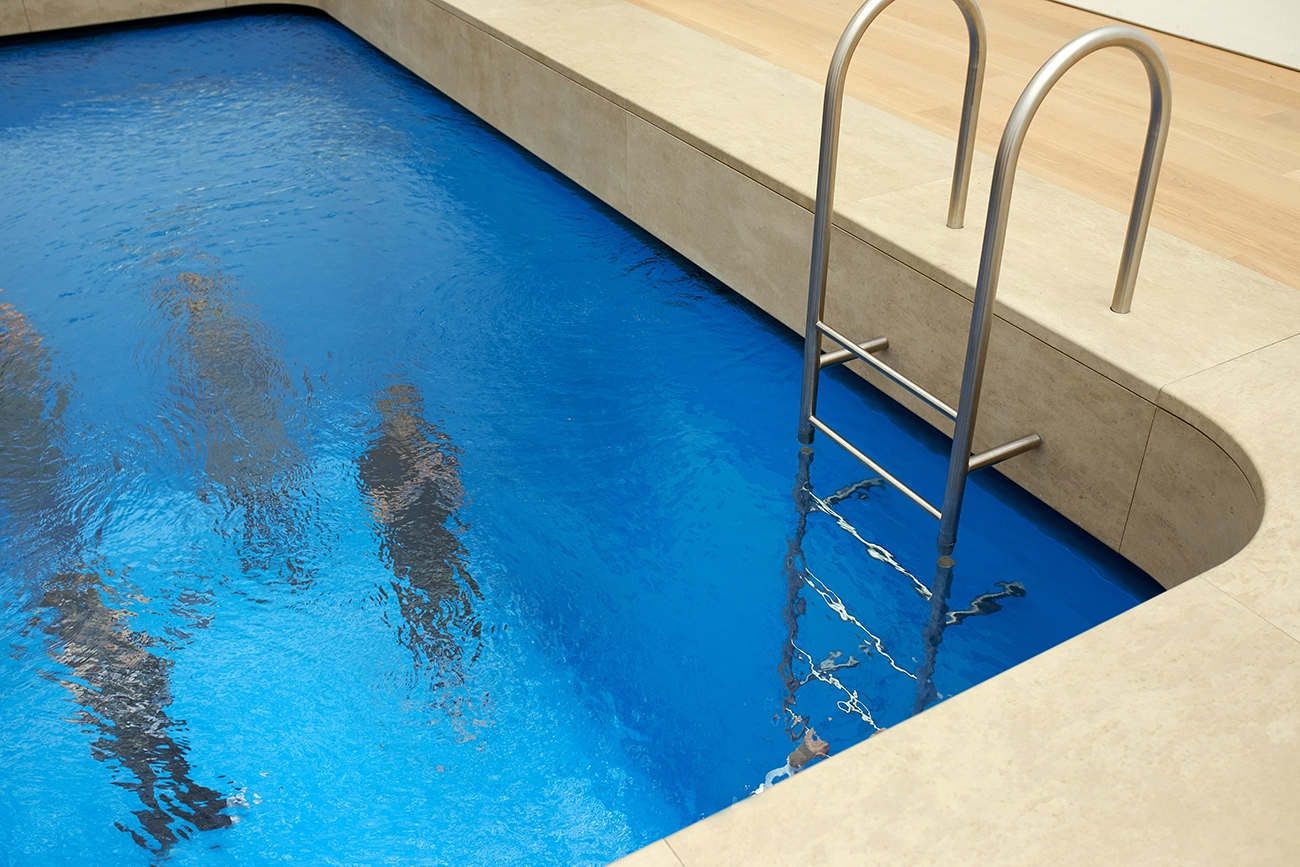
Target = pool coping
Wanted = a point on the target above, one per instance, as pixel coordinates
(1166, 735)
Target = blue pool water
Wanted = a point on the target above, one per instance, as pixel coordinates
(370, 494)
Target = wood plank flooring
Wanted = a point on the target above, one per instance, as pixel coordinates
(1231, 176)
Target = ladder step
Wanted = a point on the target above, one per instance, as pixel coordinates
(979, 461)
(1004, 451)
(879, 344)
(884, 474)
(865, 355)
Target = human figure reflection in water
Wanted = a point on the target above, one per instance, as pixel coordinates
(121, 686)
(411, 478)
(234, 408)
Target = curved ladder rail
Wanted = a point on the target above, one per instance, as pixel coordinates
(814, 359)
(828, 158)
(995, 232)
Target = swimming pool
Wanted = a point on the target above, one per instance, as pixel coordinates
(369, 484)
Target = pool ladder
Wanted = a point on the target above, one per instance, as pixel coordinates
(961, 462)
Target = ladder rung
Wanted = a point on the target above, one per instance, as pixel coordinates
(888, 371)
(884, 474)
(1004, 451)
(839, 356)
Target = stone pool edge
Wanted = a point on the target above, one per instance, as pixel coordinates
(1167, 735)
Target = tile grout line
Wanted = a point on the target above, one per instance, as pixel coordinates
(1146, 450)
(1219, 364)
(1164, 392)
(674, 851)
(26, 16)
(1260, 499)
(1251, 610)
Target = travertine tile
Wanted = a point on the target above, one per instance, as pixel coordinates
(567, 125)
(1249, 405)
(1191, 308)
(433, 43)
(56, 14)
(702, 91)
(1193, 508)
(1131, 744)
(740, 231)
(573, 129)
(657, 854)
(1094, 431)
(13, 18)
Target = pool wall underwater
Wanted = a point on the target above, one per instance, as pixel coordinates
(1167, 735)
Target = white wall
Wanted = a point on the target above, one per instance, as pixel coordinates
(1267, 29)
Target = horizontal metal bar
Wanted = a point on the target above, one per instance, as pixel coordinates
(879, 344)
(884, 474)
(886, 370)
(1004, 451)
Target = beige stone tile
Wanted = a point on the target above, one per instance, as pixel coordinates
(562, 122)
(309, 4)
(1192, 309)
(57, 14)
(532, 14)
(1169, 735)
(740, 231)
(13, 18)
(1249, 406)
(776, 141)
(441, 48)
(575, 36)
(336, 9)
(1094, 431)
(657, 854)
(1193, 508)
(742, 110)
(535, 29)
(573, 129)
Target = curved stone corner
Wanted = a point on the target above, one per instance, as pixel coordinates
(1193, 507)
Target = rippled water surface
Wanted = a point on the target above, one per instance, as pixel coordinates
(370, 494)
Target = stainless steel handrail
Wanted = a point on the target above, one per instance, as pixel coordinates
(863, 353)
(995, 232)
(884, 473)
(827, 163)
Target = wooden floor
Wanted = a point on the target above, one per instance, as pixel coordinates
(1231, 176)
